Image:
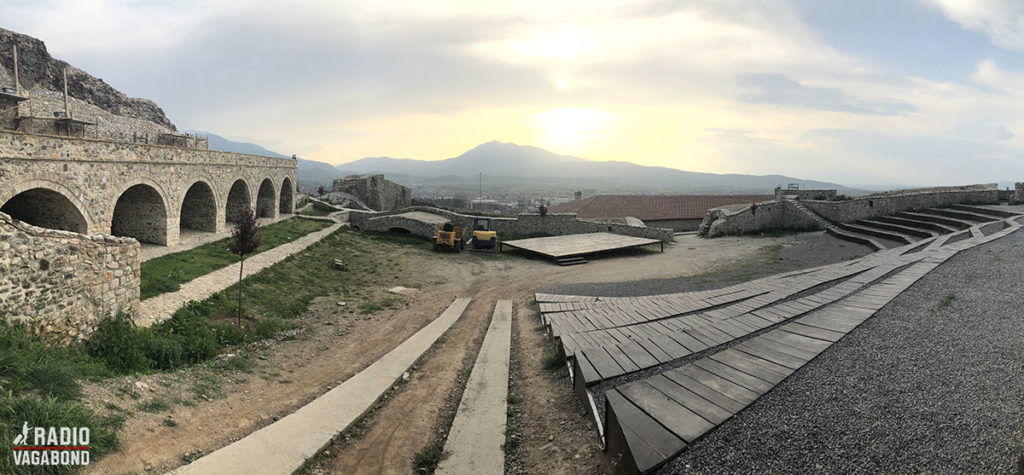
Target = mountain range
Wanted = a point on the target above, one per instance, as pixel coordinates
(529, 168)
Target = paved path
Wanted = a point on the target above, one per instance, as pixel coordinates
(162, 306)
(477, 435)
(282, 447)
(744, 340)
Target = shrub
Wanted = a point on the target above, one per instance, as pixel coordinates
(54, 380)
(118, 343)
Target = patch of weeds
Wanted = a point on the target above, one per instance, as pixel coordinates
(170, 422)
(208, 386)
(180, 401)
(945, 302)
(52, 412)
(242, 361)
(553, 359)
(156, 404)
(513, 399)
(286, 381)
(426, 460)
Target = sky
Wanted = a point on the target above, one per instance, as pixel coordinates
(872, 92)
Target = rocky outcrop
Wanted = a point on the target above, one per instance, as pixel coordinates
(38, 70)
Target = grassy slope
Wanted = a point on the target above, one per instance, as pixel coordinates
(167, 273)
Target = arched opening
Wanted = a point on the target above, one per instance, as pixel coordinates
(238, 199)
(47, 209)
(199, 209)
(287, 197)
(266, 199)
(140, 213)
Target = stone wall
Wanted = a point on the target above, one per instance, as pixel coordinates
(805, 194)
(62, 283)
(757, 217)
(107, 186)
(783, 214)
(524, 225)
(882, 204)
(1018, 192)
(375, 191)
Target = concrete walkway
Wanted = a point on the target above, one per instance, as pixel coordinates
(477, 435)
(191, 239)
(162, 306)
(284, 446)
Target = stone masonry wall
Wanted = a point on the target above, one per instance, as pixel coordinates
(94, 174)
(524, 225)
(1018, 192)
(62, 283)
(377, 192)
(783, 215)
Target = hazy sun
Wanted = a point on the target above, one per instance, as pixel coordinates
(570, 128)
(561, 83)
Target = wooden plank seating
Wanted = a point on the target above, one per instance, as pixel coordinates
(651, 420)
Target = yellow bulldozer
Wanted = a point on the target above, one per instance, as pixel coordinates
(449, 236)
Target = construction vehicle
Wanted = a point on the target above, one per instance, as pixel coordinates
(483, 236)
(449, 236)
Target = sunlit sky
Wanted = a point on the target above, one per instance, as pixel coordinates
(909, 92)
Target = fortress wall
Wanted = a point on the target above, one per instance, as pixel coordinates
(62, 283)
(94, 174)
(782, 215)
(866, 207)
(553, 224)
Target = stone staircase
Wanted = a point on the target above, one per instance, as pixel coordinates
(906, 227)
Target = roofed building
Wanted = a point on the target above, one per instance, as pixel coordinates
(678, 212)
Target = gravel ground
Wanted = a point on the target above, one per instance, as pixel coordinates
(809, 250)
(929, 384)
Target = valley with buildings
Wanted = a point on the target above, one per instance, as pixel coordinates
(174, 301)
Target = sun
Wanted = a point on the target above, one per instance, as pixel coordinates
(571, 128)
(561, 83)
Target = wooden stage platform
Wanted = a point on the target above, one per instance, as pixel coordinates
(568, 250)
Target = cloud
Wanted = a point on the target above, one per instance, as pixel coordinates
(779, 89)
(1001, 20)
(1003, 133)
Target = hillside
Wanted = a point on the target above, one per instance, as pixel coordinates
(507, 164)
(310, 173)
(38, 70)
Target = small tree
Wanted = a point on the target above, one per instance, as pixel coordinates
(320, 191)
(245, 239)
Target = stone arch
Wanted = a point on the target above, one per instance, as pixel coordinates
(287, 196)
(198, 209)
(239, 197)
(46, 208)
(80, 209)
(266, 199)
(141, 213)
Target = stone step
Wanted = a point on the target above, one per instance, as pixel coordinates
(913, 223)
(933, 218)
(915, 232)
(881, 233)
(282, 447)
(477, 435)
(999, 213)
(958, 214)
(855, 237)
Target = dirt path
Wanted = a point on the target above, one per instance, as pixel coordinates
(336, 342)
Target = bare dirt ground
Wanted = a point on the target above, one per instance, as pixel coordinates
(199, 410)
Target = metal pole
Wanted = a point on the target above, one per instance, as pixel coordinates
(67, 105)
(17, 84)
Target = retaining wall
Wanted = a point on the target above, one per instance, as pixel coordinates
(783, 214)
(62, 283)
(524, 225)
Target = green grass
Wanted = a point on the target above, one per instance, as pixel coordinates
(39, 382)
(154, 405)
(945, 302)
(170, 422)
(313, 211)
(167, 273)
(553, 359)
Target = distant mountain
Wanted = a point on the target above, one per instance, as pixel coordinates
(310, 174)
(509, 164)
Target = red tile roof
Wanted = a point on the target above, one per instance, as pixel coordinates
(653, 207)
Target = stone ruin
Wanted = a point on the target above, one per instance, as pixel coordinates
(375, 191)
